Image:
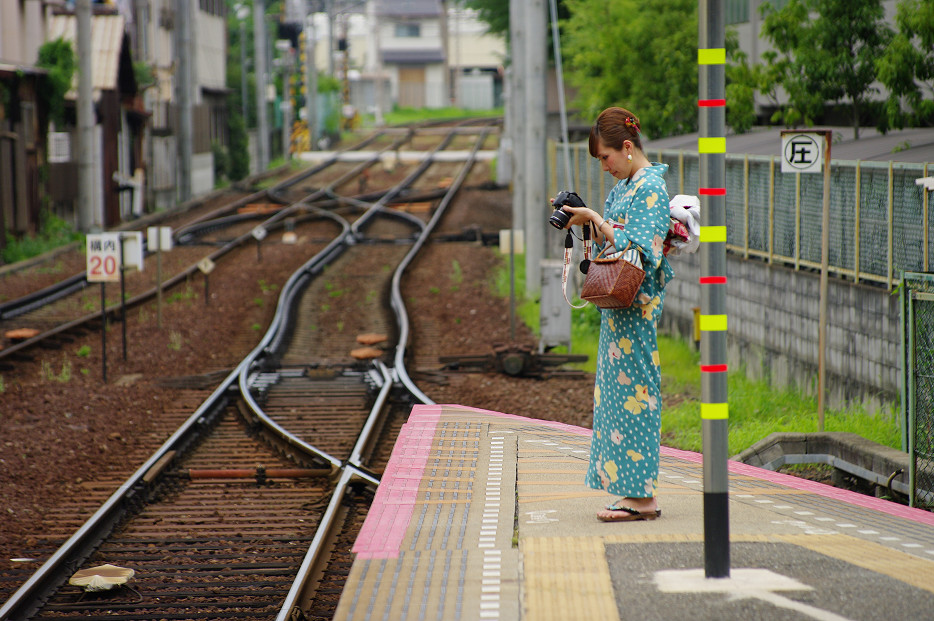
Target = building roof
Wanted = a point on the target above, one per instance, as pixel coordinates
(413, 56)
(409, 8)
(906, 145)
(107, 46)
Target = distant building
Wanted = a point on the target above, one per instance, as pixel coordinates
(23, 117)
(412, 53)
(136, 156)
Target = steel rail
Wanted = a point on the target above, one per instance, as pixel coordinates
(396, 296)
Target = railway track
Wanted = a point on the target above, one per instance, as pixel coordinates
(247, 509)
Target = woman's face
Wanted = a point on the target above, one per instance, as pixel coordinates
(614, 161)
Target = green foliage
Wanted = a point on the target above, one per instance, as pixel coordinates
(53, 233)
(741, 84)
(828, 52)
(58, 57)
(494, 12)
(907, 66)
(84, 351)
(145, 74)
(238, 152)
(328, 83)
(404, 116)
(221, 161)
(643, 59)
(49, 375)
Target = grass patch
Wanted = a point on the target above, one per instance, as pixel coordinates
(401, 116)
(53, 233)
(756, 409)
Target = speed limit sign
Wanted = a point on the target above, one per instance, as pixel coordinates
(103, 257)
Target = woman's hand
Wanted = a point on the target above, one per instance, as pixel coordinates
(581, 216)
(584, 215)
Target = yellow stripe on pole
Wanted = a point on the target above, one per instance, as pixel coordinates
(713, 234)
(713, 323)
(711, 56)
(714, 411)
(711, 145)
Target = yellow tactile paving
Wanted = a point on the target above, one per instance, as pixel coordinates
(909, 569)
(566, 578)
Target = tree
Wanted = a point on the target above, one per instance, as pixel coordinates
(907, 66)
(741, 83)
(642, 59)
(786, 29)
(58, 57)
(830, 49)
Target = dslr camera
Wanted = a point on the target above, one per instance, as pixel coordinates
(560, 218)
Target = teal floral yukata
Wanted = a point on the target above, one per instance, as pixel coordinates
(624, 453)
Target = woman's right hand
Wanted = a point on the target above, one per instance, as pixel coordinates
(580, 215)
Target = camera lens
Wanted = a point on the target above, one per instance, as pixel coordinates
(559, 219)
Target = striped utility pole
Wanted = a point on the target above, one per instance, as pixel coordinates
(711, 145)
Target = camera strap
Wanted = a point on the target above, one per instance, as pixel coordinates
(568, 248)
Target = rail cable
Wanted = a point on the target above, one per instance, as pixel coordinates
(347, 471)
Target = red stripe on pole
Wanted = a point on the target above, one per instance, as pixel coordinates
(712, 191)
(713, 368)
(712, 280)
(711, 103)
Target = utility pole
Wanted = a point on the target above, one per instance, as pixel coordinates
(329, 7)
(516, 104)
(259, 60)
(183, 145)
(285, 48)
(242, 13)
(311, 82)
(536, 199)
(88, 213)
(714, 408)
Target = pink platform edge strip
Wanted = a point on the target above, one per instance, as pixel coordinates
(394, 503)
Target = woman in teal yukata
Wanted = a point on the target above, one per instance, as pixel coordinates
(624, 454)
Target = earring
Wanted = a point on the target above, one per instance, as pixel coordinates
(629, 157)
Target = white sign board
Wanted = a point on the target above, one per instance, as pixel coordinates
(259, 233)
(59, 147)
(206, 265)
(133, 250)
(802, 152)
(103, 257)
(159, 238)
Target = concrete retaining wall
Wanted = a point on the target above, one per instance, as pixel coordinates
(773, 329)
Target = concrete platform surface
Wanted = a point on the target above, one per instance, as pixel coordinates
(483, 515)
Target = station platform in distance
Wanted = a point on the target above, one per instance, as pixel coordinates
(482, 515)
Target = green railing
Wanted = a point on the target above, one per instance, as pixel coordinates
(917, 381)
(879, 218)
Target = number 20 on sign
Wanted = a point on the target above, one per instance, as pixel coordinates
(103, 257)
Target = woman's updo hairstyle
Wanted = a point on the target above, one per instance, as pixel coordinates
(612, 127)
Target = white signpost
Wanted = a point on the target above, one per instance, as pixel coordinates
(103, 266)
(159, 239)
(103, 257)
(809, 152)
(802, 152)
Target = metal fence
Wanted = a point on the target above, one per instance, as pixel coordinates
(917, 300)
(879, 217)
